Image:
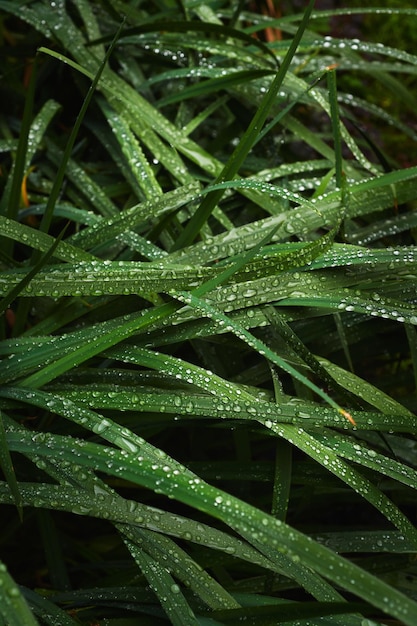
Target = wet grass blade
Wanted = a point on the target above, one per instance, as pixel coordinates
(42, 241)
(14, 610)
(169, 593)
(335, 117)
(185, 26)
(6, 465)
(131, 513)
(288, 612)
(237, 158)
(26, 280)
(240, 332)
(214, 85)
(47, 611)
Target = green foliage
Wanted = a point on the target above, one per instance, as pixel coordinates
(208, 344)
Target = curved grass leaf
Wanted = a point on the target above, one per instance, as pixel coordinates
(194, 405)
(109, 506)
(193, 26)
(325, 455)
(214, 85)
(181, 566)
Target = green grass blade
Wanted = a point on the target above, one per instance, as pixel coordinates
(245, 406)
(94, 194)
(168, 592)
(14, 610)
(324, 454)
(51, 540)
(288, 612)
(361, 453)
(42, 241)
(180, 566)
(98, 278)
(28, 278)
(47, 611)
(193, 26)
(214, 85)
(366, 391)
(285, 331)
(130, 512)
(136, 159)
(335, 117)
(6, 465)
(282, 480)
(107, 229)
(412, 341)
(236, 159)
(256, 344)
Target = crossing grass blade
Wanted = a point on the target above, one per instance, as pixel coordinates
(245, 144)
(169, 593)
(25, 281)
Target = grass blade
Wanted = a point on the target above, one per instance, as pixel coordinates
(6, 465)
(14, 610)
(236, 159)
(259, 346)
(26, 280)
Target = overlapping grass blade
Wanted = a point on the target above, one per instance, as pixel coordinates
(243, 334)
(27, 278)
(130, 512)
(161, 581)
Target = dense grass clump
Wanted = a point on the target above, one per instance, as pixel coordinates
(209, 307)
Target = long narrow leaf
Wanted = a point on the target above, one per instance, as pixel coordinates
(236, 159)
